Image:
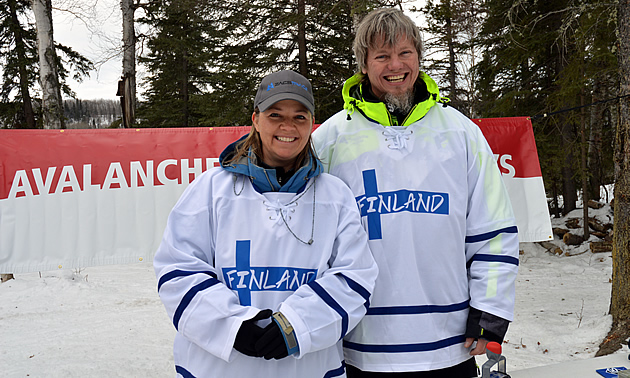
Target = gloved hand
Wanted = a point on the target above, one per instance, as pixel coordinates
(250, 333)
(271, 344)
(279, 339)
(483, 325)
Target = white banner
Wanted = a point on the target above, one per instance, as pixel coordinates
(78, 198)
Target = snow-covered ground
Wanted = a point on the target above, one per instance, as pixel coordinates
(108, 321)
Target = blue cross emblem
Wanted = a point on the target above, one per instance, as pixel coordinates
(373, 203)
(245, 278)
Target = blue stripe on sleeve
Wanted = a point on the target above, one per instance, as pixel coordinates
(183, 372)
(492, 234)
(330, 301)
(493, 258)
(404, 348)
(414, 310)
(359, 289)
(180, 273)
(189, 297)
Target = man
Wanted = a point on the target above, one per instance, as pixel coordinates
(440, 223)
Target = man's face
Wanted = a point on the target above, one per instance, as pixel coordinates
(392, 69)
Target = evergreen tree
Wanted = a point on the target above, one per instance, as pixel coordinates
(538, 57)
(18, 57)
(239, 42)
(177, 63)
(19, 62)
(452, 49)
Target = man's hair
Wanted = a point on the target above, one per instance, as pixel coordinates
(391, 23)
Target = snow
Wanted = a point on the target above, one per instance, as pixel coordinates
(108, 321)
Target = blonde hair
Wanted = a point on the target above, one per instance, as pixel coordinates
(388, 23)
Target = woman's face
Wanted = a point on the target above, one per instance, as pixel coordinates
(284, 128)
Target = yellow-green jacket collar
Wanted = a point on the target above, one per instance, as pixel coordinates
(377, 111)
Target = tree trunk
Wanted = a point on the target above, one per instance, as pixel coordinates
(620, 298)
(620, 304)
(554, 186)
(20, 49)
(301, 37)
(452, 69)
(184, 91)
(595, 141)
(129, 62)
(52, 106)
(584, 169)
(569, 191)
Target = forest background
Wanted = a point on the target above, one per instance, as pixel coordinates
(564, 63)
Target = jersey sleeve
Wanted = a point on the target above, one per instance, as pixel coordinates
(324, 143)
(323, 311)
(491, 232)
(202, 308)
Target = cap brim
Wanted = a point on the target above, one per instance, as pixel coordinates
(264, 105)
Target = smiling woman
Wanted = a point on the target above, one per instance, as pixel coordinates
(285, 129)
(283, 119)
(265, 257)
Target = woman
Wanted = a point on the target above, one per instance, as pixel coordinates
(264, 265)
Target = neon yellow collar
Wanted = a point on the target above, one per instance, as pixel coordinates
(377, 111)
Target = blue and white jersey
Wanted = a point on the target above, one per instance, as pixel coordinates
(229, 251)
(440, 227)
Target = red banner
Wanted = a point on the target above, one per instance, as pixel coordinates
(76, 198)
(36, 162)
(512, 141)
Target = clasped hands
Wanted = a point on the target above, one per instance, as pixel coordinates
(254, 341)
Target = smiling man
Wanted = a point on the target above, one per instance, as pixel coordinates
(438, 217)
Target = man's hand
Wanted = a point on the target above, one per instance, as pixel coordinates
(479, 349)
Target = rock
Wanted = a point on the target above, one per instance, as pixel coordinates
(573, 223)
(550, 247)
(559, 231)
(595, 205)
(572, 239)
(598, 226)
(609, 237)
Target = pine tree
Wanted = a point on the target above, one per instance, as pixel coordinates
(451, 49)
(541, 57)
(18, 56)
(177, 63)
(244, 41)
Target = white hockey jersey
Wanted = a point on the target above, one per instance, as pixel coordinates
(229, 251)
(440, 227)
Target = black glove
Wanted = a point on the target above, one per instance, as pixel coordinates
(271, 343)
(483, 325)
(249, 333)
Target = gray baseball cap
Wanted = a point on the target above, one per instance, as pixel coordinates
(284, 85)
